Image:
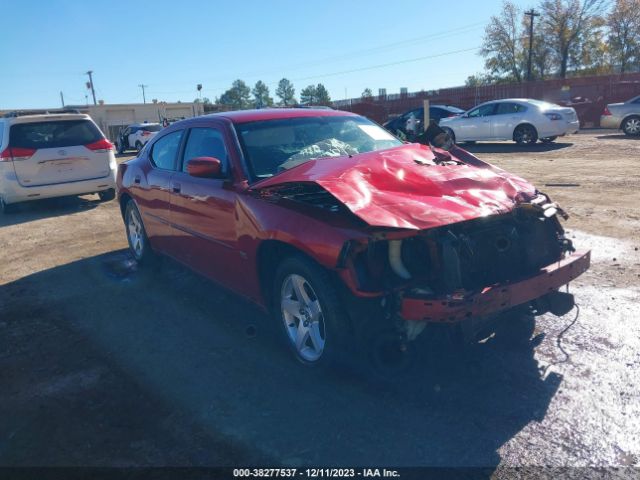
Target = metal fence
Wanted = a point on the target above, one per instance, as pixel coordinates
(588, 95)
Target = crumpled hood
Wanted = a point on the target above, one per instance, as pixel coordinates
(403, 187)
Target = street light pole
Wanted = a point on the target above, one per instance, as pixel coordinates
(144, 99)
(93, 92)
(531, 14)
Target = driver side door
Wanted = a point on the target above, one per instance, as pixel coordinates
(476, 124)
(203, 211)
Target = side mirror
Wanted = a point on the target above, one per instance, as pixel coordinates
(204, 167)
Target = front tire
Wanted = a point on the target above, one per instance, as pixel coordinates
(525, 135)
(631, 126)
(137, 236)
(309, 311)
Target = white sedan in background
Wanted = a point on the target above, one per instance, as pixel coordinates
(522, 120)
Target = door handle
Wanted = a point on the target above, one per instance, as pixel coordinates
(136, 180)
(175, 187)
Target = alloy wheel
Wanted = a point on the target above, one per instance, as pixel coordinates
(136, 233)
(632, 126)
(303, 318)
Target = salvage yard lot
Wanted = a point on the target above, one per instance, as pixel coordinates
(104, 364)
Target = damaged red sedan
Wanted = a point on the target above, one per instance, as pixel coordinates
(342, 231)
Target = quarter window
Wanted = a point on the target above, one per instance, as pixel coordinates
(165, 150)
(205, 142)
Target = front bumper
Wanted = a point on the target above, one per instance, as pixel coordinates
(465, 305)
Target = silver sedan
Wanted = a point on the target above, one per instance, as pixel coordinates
(623, 116)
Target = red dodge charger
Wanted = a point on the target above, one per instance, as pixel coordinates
(343, 232)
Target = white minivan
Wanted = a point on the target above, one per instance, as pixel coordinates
(53, 155)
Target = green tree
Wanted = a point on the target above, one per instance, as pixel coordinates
(261, 95)
(566, 25)
(322, 95)
(367, 94)
(237, 97)
(308, 95)
(502, 44)
(623, 23)
(286, 93)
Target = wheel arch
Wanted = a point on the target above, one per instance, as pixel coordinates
(627, 117)
(522, 124)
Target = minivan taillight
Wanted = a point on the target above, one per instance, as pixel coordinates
(103, 145)
(16, 153)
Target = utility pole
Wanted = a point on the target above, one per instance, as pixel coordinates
(62, 99)
(531, 14)
(93, 92)
(144, 99)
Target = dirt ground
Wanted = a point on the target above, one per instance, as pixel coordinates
(105, 364)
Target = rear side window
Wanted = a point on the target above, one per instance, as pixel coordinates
(54, 134)
(205, 142)
(508, 107)
(165, 150)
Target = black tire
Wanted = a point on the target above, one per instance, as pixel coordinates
(7, 208)
(107, 195)
(631, 126)
(525, 134)
(119, 148)
(332, 322)
(548, 139)
(143, 253)
(450, 132)
(139, 147)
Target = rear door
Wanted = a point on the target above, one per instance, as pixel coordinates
(55, 151)
(505, 119)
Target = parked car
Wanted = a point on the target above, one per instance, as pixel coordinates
(522, 120)
(436, 113)
(43, 156)
(136, 136)
(623, 116)
(346, 234)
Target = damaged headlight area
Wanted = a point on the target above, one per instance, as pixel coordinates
(467, 255)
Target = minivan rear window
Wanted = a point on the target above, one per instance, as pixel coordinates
(54, 134)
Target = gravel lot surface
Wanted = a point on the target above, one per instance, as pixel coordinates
(104, 364)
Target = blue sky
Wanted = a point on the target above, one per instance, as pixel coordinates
(47, 46)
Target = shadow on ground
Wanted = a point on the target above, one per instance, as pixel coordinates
(152, 356)
(48, 208)
(512, 147)
(619, 136)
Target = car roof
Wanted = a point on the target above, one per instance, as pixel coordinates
(143, 124)
(48, 117)
(243, 116)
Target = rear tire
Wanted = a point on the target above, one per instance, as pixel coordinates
(631, 126)
(137, 236)
(107, 195)
(525, 135)
(307, 307)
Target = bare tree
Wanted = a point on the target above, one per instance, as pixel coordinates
(566, 24)
(624, 33)
(502, 45)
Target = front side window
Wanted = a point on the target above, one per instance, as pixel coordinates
(205, 142)
(165, 151)
(272, 146)
(482, 111)
(54, 134)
